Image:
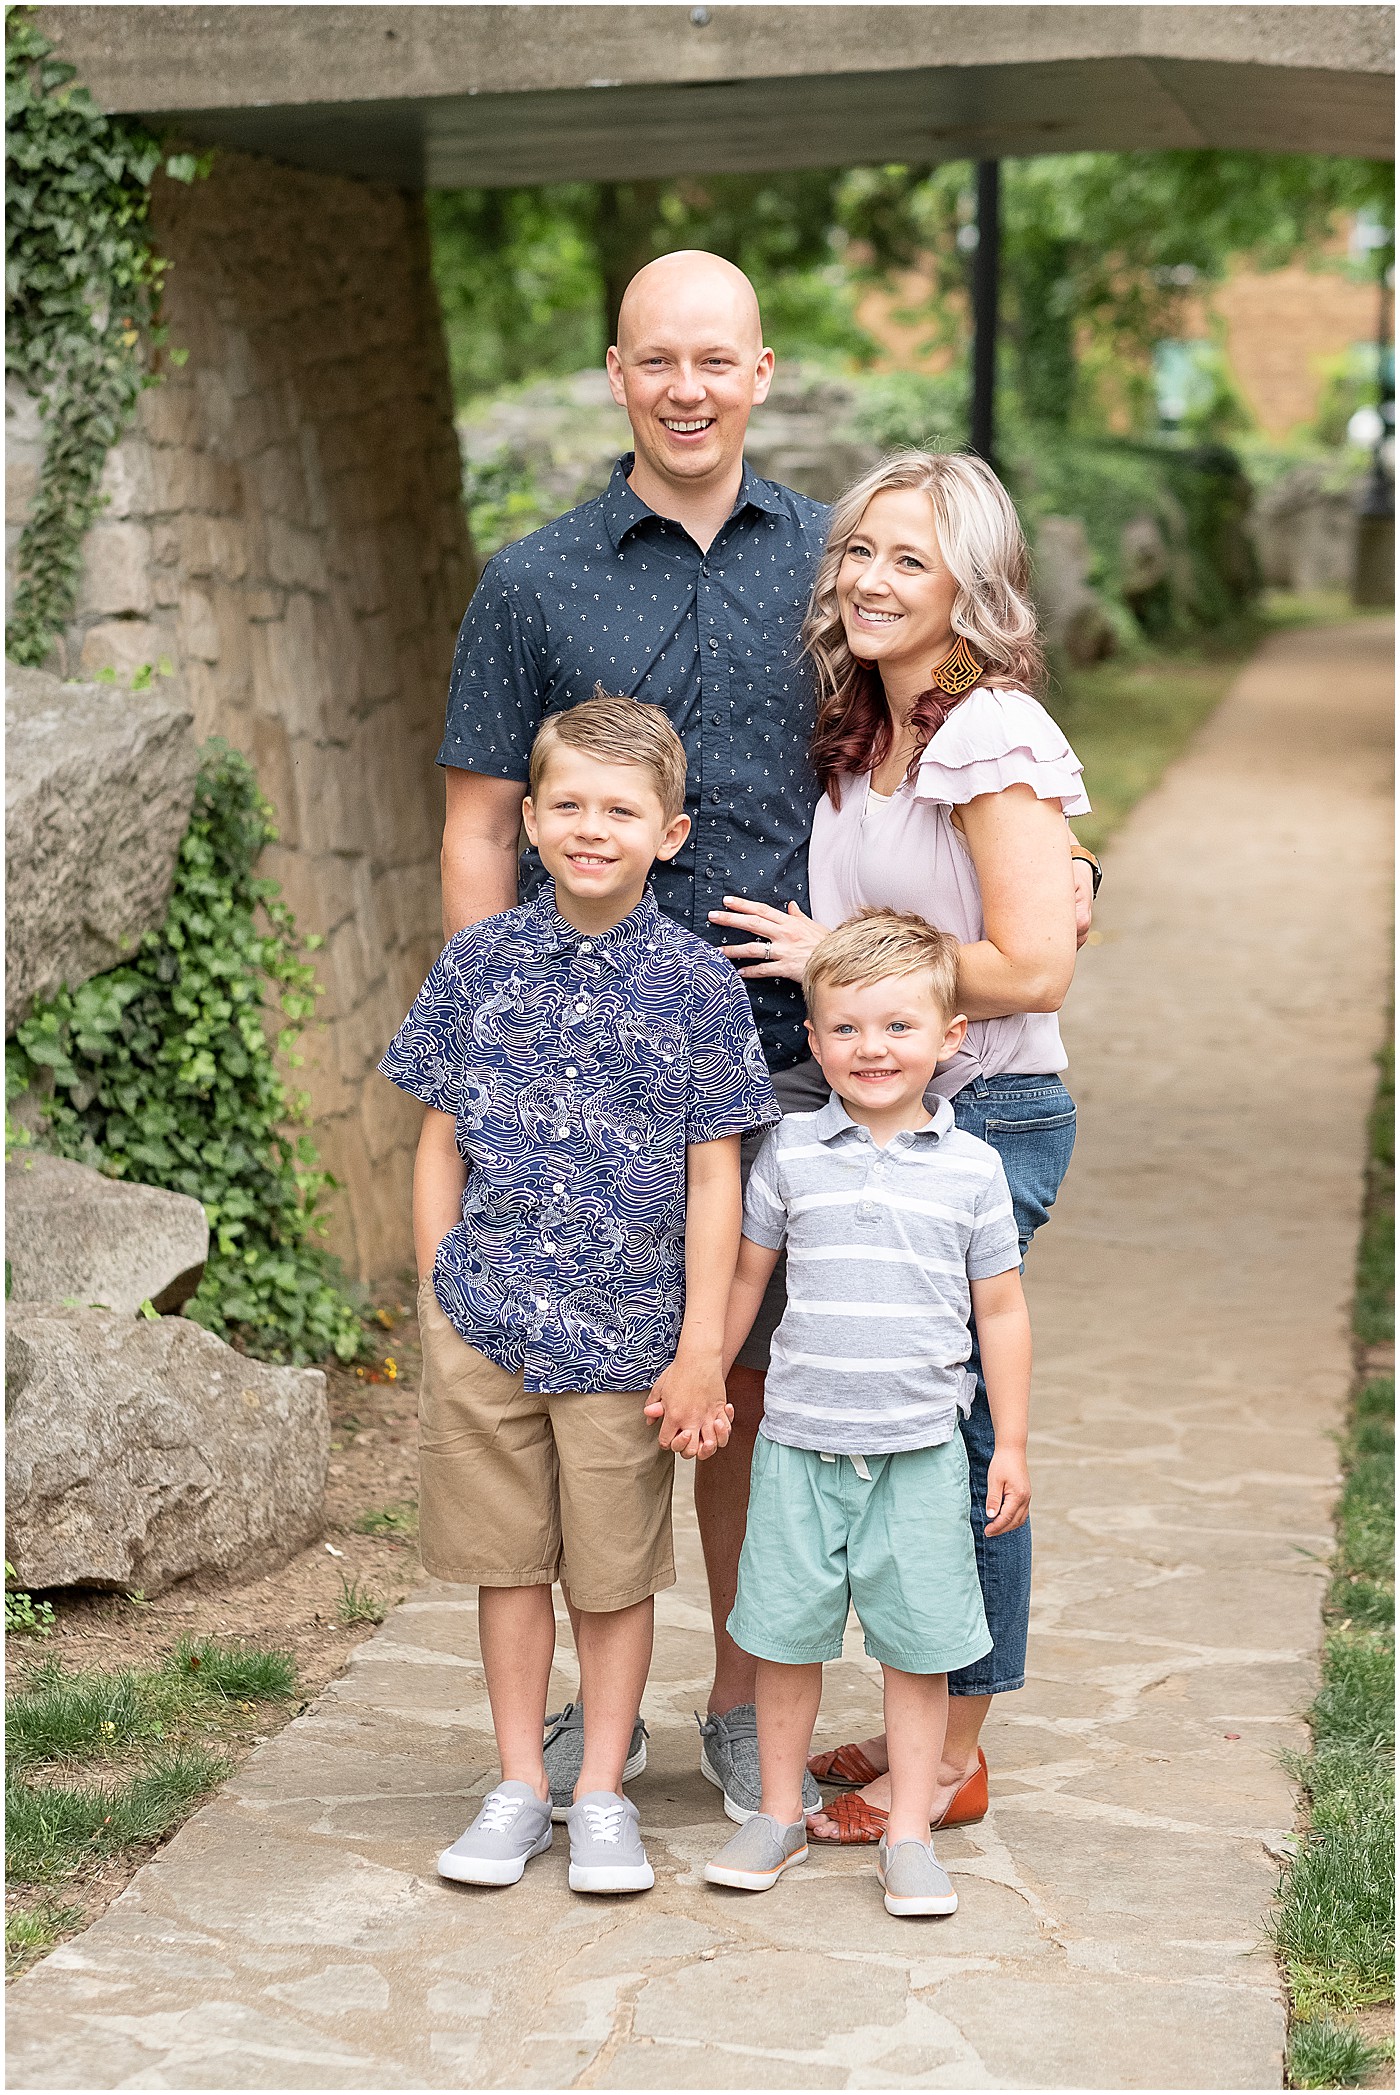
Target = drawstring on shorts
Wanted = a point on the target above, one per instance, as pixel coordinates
(857, 1462)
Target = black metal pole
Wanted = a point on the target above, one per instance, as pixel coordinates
(986, 280)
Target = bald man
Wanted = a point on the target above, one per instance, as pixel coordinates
(685, 584)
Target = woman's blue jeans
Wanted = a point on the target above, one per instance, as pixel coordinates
(1029, 1122)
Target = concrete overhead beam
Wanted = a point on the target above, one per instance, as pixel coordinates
(424, 96)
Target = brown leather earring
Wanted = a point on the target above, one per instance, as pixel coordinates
(957, 672)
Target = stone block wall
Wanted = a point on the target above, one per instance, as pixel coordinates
(285, 524)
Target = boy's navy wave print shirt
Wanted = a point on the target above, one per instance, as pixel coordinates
(612, 593)
(577, 1068)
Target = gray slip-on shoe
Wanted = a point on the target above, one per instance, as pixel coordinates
(755, 1857)
(563, 1756)
(914, 1879)
(605, 1845)
(729, 1759)
(511, 1827)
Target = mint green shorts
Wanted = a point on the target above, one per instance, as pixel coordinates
(899, 1546)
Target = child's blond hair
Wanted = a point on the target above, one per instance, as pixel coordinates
(877, 944)
(617, 730)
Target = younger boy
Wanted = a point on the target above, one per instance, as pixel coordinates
(588, 1068)
(897, 1227)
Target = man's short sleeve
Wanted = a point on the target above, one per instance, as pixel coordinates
(427, 1056)
(730, 1089)
(495, 698)
(994, 1246)
(765, 1209)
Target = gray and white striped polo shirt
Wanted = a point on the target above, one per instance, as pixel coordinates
(881, 1245)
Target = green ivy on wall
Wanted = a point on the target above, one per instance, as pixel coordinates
(82, 290)
(162, 1071)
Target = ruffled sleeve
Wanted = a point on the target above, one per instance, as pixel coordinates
(996, 739)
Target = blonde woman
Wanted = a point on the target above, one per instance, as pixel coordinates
(947, 785)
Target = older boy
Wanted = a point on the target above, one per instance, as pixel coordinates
(897, 1227)
(588, 1068)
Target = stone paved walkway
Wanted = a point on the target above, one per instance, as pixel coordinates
(1191, 1303)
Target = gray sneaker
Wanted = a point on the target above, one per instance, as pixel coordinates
(729, 1759)
(605, 1845)
(511, 1828)
(563, 1756)
(755, 1857)
(914, 1879)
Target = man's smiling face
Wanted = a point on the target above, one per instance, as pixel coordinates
(689, 366)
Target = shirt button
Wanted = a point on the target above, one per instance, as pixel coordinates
(571, 1071)
(716, 720)
(586, 947)
(713, 641)
(716, 796)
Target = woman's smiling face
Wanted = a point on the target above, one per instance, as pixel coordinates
(895, 594)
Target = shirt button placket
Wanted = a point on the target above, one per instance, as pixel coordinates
(713, 837)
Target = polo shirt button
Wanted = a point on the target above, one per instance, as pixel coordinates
(867, 1211)
(716, 796)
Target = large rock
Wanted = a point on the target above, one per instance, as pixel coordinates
(1305, 529)
(140, 1452)
(1072, 615)
(98, 788)
(73, 1235)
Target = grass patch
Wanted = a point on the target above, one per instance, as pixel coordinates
(86, 1716)
(1375, 1268)
(100, 1763)
(358, 1603)
(237, 1672)
(54, 1829)
(1335, 1928)
(1327, 2054)
(391, 1523)
(32, 1930)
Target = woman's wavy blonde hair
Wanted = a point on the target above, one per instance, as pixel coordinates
(984, 549)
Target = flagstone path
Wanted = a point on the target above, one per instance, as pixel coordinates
(1191, 1304)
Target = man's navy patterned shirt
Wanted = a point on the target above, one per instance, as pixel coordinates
(613, 594)
(577, 1069)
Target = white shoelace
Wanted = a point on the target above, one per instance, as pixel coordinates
(605, 1822)
(499, 1812)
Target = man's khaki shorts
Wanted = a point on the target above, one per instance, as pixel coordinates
(521, 1489)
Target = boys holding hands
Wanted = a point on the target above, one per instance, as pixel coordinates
(588, 1067)
(897, 1226)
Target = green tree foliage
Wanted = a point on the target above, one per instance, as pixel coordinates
(1103, 248)
(519, 283)
(82, 287)
(529, 279)
(1100, 253)
(162, 1071)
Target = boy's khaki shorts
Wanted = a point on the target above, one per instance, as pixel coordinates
(520, 1489)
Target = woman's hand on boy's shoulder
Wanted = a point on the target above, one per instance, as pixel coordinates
(688, 1404)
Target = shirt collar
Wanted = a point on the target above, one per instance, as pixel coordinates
(557, 935)
(833, 1120)
(623, 510)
